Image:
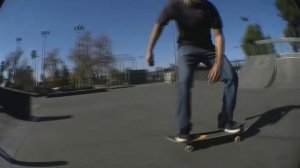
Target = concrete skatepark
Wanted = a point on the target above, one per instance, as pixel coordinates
(126, 127)
(265, 71)
(278, 70)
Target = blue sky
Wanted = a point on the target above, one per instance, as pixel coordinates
(127, 23)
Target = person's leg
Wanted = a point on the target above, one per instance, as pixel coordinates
(187, 61)
(230, 79)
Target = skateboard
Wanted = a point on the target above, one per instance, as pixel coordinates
(207, 136)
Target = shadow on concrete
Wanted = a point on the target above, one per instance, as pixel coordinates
(18, 104)
(270, 117)
(50, 118)
(257, 122)
(11, 160)
(37, 119)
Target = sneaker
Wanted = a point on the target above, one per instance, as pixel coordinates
(183, 135)
(178, 138)
(181, 138)
(232, 127)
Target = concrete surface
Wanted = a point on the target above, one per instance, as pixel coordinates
(287, 73)
(258, 72)
(126, 128)
(265, 71)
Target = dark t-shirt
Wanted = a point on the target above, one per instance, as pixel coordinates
(194, 22)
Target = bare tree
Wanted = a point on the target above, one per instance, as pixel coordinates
(103, 57)
(2, 70)
(24, 79)
(54, 68)
(92, 57)
(51, 62)
(82, 55)
(11, 64)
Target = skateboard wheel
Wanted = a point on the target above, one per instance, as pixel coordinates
(189, 148)
(237, 139)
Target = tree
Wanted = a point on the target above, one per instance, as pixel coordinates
(92, 57)
(65, 76)
(103, 57)
(24, 80)
(289, 12)
(54, 69)
(51, 62)
(116, 77)
(254, 33)
(2, 69)
(11, 64)
(81, 56)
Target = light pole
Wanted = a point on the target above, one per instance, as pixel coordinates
(17, 56)
(78, 29)
(45, 35)
(33, 57)
(18, 40)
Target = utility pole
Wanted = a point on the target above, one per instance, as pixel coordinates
(45, 35)
(33, 57)
(17, 56)
(78, 29)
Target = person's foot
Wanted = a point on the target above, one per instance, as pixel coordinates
(232, 127)
(181, 138)
(183, 135)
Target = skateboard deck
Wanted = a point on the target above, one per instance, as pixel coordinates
(206, 136)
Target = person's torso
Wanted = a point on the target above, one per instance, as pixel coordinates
(194, 24)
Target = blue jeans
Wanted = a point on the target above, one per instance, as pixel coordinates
(188, 59)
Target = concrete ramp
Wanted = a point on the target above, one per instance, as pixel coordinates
(258, 72)
(288, 73)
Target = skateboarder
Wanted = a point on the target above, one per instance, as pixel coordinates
(195, 20)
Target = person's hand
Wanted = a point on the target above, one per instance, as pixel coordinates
(150, 58)
(214, 73)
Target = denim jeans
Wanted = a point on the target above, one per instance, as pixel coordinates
(188, 59)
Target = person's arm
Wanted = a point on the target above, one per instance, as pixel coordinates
(219, 40)
(214, 73)
(156, 32)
